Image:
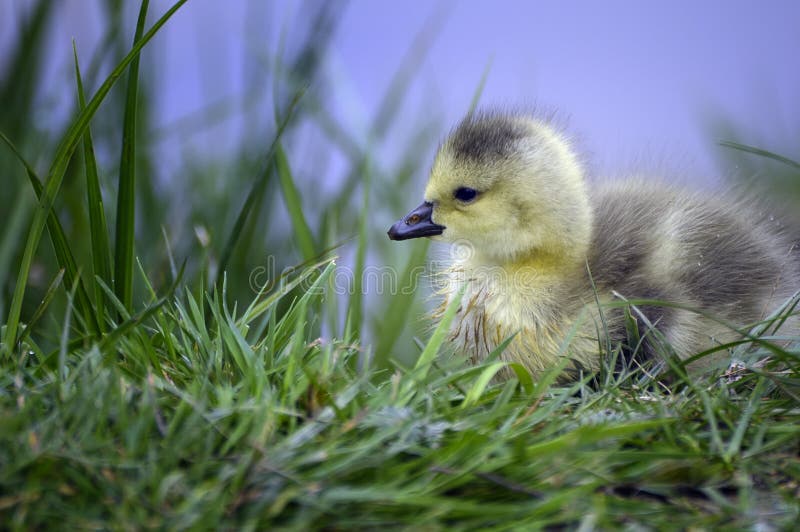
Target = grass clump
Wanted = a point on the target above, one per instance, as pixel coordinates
(242, 418)
(173, 396)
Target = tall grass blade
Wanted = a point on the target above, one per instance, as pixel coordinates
(476, 96)
(391, 102)
(64, 255)
(255, 191)
(291, 197)
(56, 175)
(23, 70)
(400, 303)
(126, 200)
(17, 219)
(101, 249)
(355, 313)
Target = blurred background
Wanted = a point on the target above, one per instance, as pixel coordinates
(642, 88)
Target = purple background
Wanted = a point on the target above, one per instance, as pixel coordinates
(639, 84)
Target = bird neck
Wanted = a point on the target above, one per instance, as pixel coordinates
(537, 267)
(546, 264)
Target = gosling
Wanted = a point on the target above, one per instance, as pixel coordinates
(542, 262)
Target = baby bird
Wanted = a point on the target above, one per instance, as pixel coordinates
(540, 258)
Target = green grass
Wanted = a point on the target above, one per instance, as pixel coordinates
(243, 418)
(181, 394)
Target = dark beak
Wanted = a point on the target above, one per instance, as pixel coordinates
(416, 224)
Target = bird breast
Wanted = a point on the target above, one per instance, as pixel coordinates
(499, 303)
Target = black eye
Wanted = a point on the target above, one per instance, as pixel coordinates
(465, 194)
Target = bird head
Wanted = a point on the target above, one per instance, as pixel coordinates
(508, 186)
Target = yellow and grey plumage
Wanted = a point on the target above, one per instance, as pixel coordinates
(539, 249)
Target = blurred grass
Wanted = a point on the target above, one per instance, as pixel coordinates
(199, 386)
(756, 165)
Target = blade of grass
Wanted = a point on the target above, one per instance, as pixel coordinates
(735, 444)
(479, 386)
(24, 64)
(14, 226)
(62, 250)
(255, 191)
(64, 342)
(126, 199)
(56, 175)
(48, 297)
(440, 334)
(763, 153)
(101, 249)
(110, 340)
(391, 102)
(291, 197)
(712, 420)
(400, 303)
(356, 310)
(476, 96)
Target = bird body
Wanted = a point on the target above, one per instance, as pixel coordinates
(541, 258)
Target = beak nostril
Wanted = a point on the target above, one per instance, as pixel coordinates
(416, 224)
